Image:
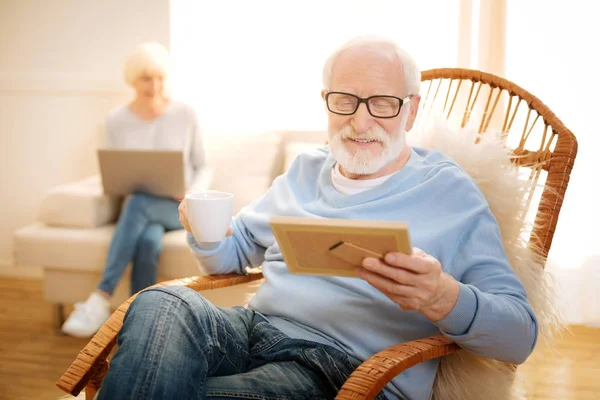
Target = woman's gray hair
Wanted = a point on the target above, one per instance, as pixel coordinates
(147, 57)
(410, 72)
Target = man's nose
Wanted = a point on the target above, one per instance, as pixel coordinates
(362, 120)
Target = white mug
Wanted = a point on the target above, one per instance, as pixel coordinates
(209, 214)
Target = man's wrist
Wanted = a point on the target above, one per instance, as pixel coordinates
(448, 296)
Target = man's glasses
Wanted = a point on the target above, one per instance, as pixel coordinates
(378, 106)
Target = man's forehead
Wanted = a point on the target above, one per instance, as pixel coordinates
(369, 55)
(368, 73)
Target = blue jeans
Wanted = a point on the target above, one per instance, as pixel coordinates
(174, 344)
(138, 239)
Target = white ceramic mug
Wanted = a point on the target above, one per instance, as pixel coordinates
(209, 214)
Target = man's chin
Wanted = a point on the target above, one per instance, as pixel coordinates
(363, 168)
(357, 161)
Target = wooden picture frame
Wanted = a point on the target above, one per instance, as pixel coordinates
(336, 247)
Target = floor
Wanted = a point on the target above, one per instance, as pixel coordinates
(33, 356)
(569, 371)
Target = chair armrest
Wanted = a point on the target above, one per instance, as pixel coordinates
(90, 366)
(372, 375)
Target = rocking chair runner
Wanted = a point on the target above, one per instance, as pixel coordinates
(540, 143)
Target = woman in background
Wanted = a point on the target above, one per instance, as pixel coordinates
(152, 121)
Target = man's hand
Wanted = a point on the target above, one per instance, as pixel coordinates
(414, 282)
(185, 222)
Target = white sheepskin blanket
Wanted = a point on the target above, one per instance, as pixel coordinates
(464, 376)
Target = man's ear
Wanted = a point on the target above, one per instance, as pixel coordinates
(323, 93)
(414, 108)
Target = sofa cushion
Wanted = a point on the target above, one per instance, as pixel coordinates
(80, 204)
(243, 164)
(294, 149)
(86, 249)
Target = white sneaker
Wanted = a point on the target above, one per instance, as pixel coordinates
(87, 317)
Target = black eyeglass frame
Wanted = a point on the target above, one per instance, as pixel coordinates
(366, 101)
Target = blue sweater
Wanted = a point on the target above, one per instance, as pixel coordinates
(448, 218)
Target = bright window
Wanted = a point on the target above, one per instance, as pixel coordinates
(256, 65)
(551, 52)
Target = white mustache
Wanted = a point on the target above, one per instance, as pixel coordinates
(373, 133)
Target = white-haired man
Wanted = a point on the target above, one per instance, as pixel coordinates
(301, 336)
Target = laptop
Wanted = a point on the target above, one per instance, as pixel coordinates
(156, 172)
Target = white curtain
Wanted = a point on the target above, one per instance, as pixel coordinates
(552, 52)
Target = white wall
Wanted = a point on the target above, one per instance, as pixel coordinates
(60, 74)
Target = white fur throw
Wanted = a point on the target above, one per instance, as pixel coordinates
(464, 376)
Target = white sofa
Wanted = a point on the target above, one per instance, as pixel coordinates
(71, 237)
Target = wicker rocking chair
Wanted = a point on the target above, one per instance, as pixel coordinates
(542, 145)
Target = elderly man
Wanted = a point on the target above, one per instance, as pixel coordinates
(301, 336)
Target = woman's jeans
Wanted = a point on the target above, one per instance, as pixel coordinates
(138, 239)
(175, 344)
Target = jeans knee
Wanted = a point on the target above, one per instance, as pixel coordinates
(150, 245)
(148, 300)
(153, 305)
(183, 296)
(176, 306)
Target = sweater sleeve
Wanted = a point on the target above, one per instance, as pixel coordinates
(492, 317)
(109, 141)
(252, 235)
(232, 254)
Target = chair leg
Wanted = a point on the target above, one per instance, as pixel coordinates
(59, 317)
(90, 392)
(91, 389)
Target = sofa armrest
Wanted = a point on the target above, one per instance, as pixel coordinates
(80, 204)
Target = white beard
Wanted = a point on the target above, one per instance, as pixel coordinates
(363, 162)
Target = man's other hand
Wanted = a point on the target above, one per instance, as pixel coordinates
(414, 282)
